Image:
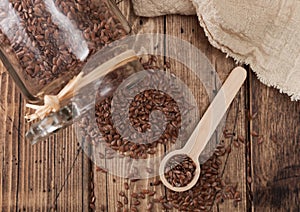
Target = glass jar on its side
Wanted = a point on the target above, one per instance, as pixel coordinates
(45, 43)
(102, 75)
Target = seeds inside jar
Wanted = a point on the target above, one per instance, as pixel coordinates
(45, 40)
(180, 170)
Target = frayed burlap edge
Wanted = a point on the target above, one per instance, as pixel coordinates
(295, 96)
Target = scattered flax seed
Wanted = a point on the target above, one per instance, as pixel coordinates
(126, 186)
(152, 193)
(141, 196)
(260, 140)
(120, 204)
(228, 149)
(134, 195)
(228, 134)
(252, 116)
(237, 195)
(133, 209)
(167, 206)
(92, 206)
(249, 180)
(241, 139)
(156, 182)
(151, 151)
(149, 170)
(155, 200)
(236, 144)
(149, 206)
(136, 202)
(145, 191)
(134, 180)
(254, 133)
(273, 140)
(125, 200)
(99, 169)
(122, 193)
(168, 65)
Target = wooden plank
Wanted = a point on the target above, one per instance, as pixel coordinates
(115, 184)
(35, 172)
(9, 141)
(72, 183)
(234, 163)
(275, 161)
(187, 28)
(33, 177)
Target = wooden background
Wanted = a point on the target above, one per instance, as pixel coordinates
(56, 173)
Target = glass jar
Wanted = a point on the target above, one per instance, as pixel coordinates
(45, 43)
(102, 76)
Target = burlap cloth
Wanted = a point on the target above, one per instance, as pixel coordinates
(264, 34)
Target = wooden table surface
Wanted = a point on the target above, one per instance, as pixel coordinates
(57, 174)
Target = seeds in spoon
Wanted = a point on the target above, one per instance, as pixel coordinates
(180, 170)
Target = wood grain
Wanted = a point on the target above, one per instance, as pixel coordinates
(107, 182)
(234, 164)
(56, 174)
(49, 175)
(10, 138)
(275, 161)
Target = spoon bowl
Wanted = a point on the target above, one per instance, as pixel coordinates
(163, 166)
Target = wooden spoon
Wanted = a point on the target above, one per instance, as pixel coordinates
(206, 127)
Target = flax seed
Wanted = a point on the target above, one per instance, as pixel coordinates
(39, 30)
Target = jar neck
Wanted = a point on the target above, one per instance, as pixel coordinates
(51, 124)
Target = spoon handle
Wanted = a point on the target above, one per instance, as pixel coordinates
(215, 112)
